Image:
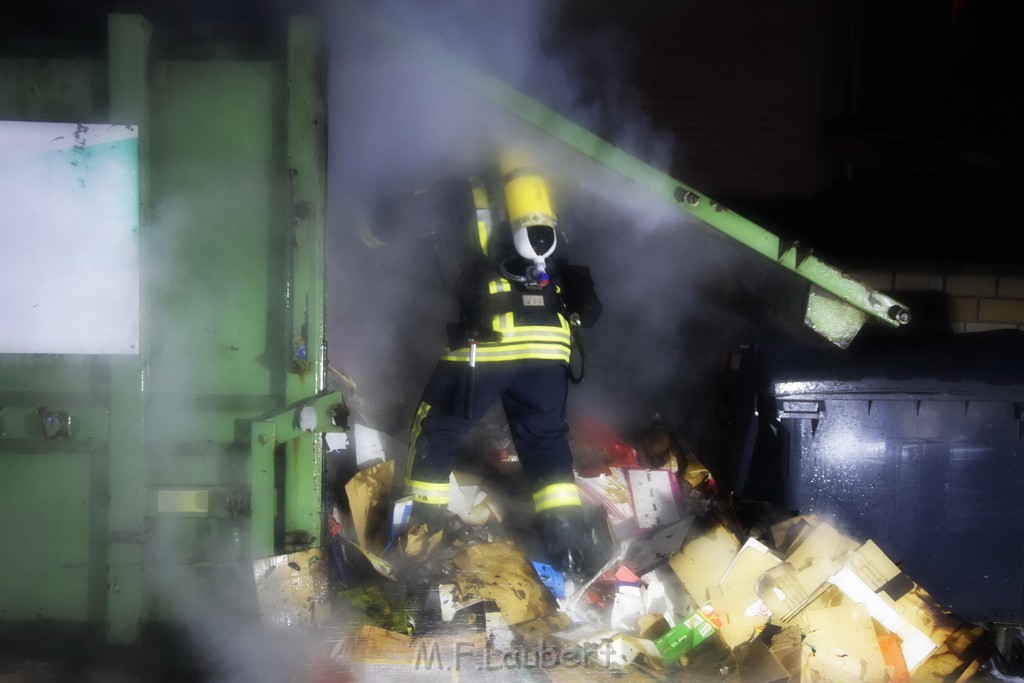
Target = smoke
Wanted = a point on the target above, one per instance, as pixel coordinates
(397, 125)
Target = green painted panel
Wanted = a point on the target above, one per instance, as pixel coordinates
(215, 275)
(89, 422)
(216, 110)
(158, 468)
(56, 373)
(196, 464)
(45, 524)
(52, 89)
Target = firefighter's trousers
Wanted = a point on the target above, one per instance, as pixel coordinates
(533, 396)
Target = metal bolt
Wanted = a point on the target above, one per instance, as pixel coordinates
(681, 194)
(262, 439)
(900, 314)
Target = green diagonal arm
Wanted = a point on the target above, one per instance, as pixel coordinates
(855, 294)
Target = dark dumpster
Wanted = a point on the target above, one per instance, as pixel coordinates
(914, 442)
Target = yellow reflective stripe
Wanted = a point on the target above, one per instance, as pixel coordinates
(539, 334)
(502, 322)
(428, 492)
(482, 230)
(513, 352)
(429, 499)
(539, 342)
(414, 434)
(479, 193)
(483, 213)
(428, 485)
(555, 496)
(499, 286)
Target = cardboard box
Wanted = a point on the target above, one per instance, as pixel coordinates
(892, 655)
(756, 663)
(914, 632)
(703, 560)
(742, 612)
(817, 551)
(656, 496)
(788, 533)
(610, 491)
(501, 573)
(842, 647)
(787, 647)
(696, 628)
(368, 496)
(643, 554)
(470, 501)
(373, 446)
(785, 591)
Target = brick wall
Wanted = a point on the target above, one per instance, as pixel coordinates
(975, 299)
(747, 89)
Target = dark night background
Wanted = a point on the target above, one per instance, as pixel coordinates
(868, 129)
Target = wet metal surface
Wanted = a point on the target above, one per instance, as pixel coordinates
(935, 482)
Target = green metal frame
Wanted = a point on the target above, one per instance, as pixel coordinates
(267, 436)
(178, 455)
(129, 40)
(855, 301)
(306, 145)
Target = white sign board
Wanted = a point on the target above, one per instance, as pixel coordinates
(69, 238)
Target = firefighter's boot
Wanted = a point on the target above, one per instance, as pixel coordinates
(563, 534)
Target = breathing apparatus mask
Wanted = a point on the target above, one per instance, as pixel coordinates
(532, 221)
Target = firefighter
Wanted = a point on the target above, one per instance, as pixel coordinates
(520, 306)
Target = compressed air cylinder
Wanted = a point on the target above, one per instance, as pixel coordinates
(529, 204)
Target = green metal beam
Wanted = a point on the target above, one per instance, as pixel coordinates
(128, 65)
(264, 494)
(306, 150)
(792, 256)
(283, 429)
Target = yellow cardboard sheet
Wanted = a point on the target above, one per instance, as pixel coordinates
(368, 496)
(742, 611)
(703, 560)
(501, 573)
(842, 646)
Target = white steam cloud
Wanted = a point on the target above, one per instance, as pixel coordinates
(396, 124)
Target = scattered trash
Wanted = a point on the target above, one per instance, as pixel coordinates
(292, 588)
(368, 493)
(684, 589)
(697, 627)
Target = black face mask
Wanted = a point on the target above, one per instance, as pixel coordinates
(541, 238)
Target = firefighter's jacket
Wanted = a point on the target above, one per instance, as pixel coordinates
(508, 319)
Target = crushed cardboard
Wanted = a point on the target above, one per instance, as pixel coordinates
(470, 500)
(656, 497)
(841, 645)
(756, 663)
(502, 574)
(734, 598)
(368, 493)
(801, 602)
